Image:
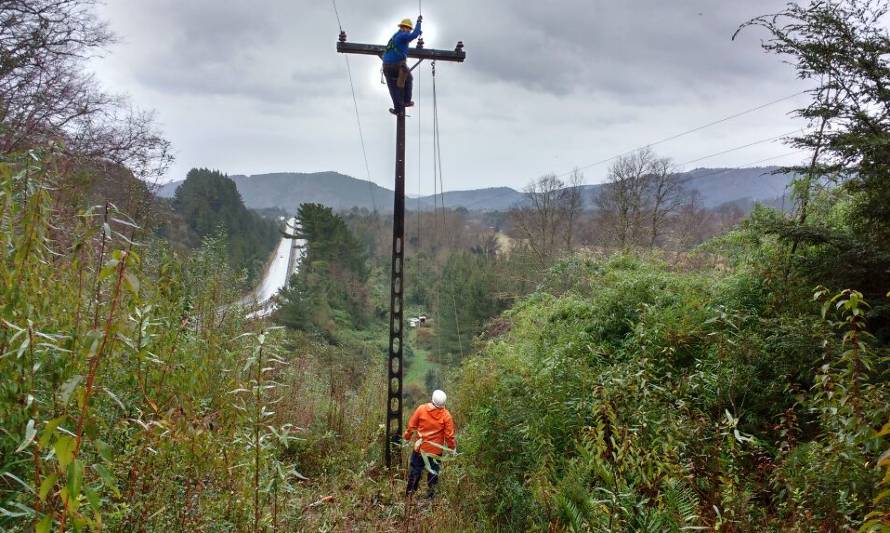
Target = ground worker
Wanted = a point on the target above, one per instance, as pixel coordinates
(435, 435)
(395, 65)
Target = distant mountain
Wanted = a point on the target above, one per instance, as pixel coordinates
(723, 185)
(718, 186)
(489, 199)
(287, 190)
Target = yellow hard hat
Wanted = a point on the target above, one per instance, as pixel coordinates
(407, 23)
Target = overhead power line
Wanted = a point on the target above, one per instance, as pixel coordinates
(337, 14)
(753, 163)
(737, 148)
(358, 119)
(687, 132)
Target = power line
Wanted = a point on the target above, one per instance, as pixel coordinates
(361, 136)
(687, 132)
(337, 14)
(752, 163)
(737, 148)
(358, 119)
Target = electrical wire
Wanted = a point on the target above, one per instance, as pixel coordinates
(737, 148)
(358, 119)
(752, 163)
(337, 14)
(687, 132)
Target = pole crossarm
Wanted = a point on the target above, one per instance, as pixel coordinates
(458, 55)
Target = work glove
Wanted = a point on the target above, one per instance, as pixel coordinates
(419, 19)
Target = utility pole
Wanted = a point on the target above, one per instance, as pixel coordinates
(394, 365)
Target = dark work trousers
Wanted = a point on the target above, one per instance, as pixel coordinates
(416, 470)
(400, 95)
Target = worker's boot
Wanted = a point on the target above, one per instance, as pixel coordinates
(409, 104)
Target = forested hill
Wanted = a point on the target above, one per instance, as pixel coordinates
(211, 206)
(287, 190)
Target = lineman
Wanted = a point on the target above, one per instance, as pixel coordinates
(395, 65)
(435, 434)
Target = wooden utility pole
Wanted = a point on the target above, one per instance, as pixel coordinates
(394, 365)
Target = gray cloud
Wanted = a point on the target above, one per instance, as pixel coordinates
(256, 86)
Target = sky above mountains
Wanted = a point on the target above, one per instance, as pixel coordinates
(254, 87)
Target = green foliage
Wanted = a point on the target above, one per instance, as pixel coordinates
(844, 47)
(630, 397)
(211, 205)
(330, 288)
(467, 296)
(117, 363)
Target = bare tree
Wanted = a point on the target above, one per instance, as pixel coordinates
(692, 223)
(666, 195)
(46, 95)
(642, 192)
(624, 197)
(540, 220)
(573, 202)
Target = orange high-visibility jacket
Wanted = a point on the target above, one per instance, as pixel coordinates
(434, 427)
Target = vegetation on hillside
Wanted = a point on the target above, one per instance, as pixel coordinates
(637, 385)
(624, 395)
(210, 204)
(328, 293)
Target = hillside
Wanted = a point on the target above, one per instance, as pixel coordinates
(287, 190)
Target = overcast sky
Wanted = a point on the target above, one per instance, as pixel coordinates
(250, 87)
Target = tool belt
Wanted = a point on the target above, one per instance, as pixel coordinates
(400, 71)
(404, 73)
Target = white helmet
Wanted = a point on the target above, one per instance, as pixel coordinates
(439, 398)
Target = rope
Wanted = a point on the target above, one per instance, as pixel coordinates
(437, 147)
(435, 152)
(460, 343)
(418, 278)
(437, 172)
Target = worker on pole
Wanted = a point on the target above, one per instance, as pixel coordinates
(435, 435)
(395, 65)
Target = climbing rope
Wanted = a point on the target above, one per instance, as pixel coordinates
(437, 147)
(438, 174)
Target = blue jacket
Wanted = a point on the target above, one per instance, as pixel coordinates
(397, 48)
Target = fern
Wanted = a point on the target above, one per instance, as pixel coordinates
(680, 503)
(650, 521)
(571, 513)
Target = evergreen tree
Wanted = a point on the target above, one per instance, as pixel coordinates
(210, 204)
(467, 296)
(332, 277)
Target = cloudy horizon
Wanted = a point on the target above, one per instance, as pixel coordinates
(546, 87)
